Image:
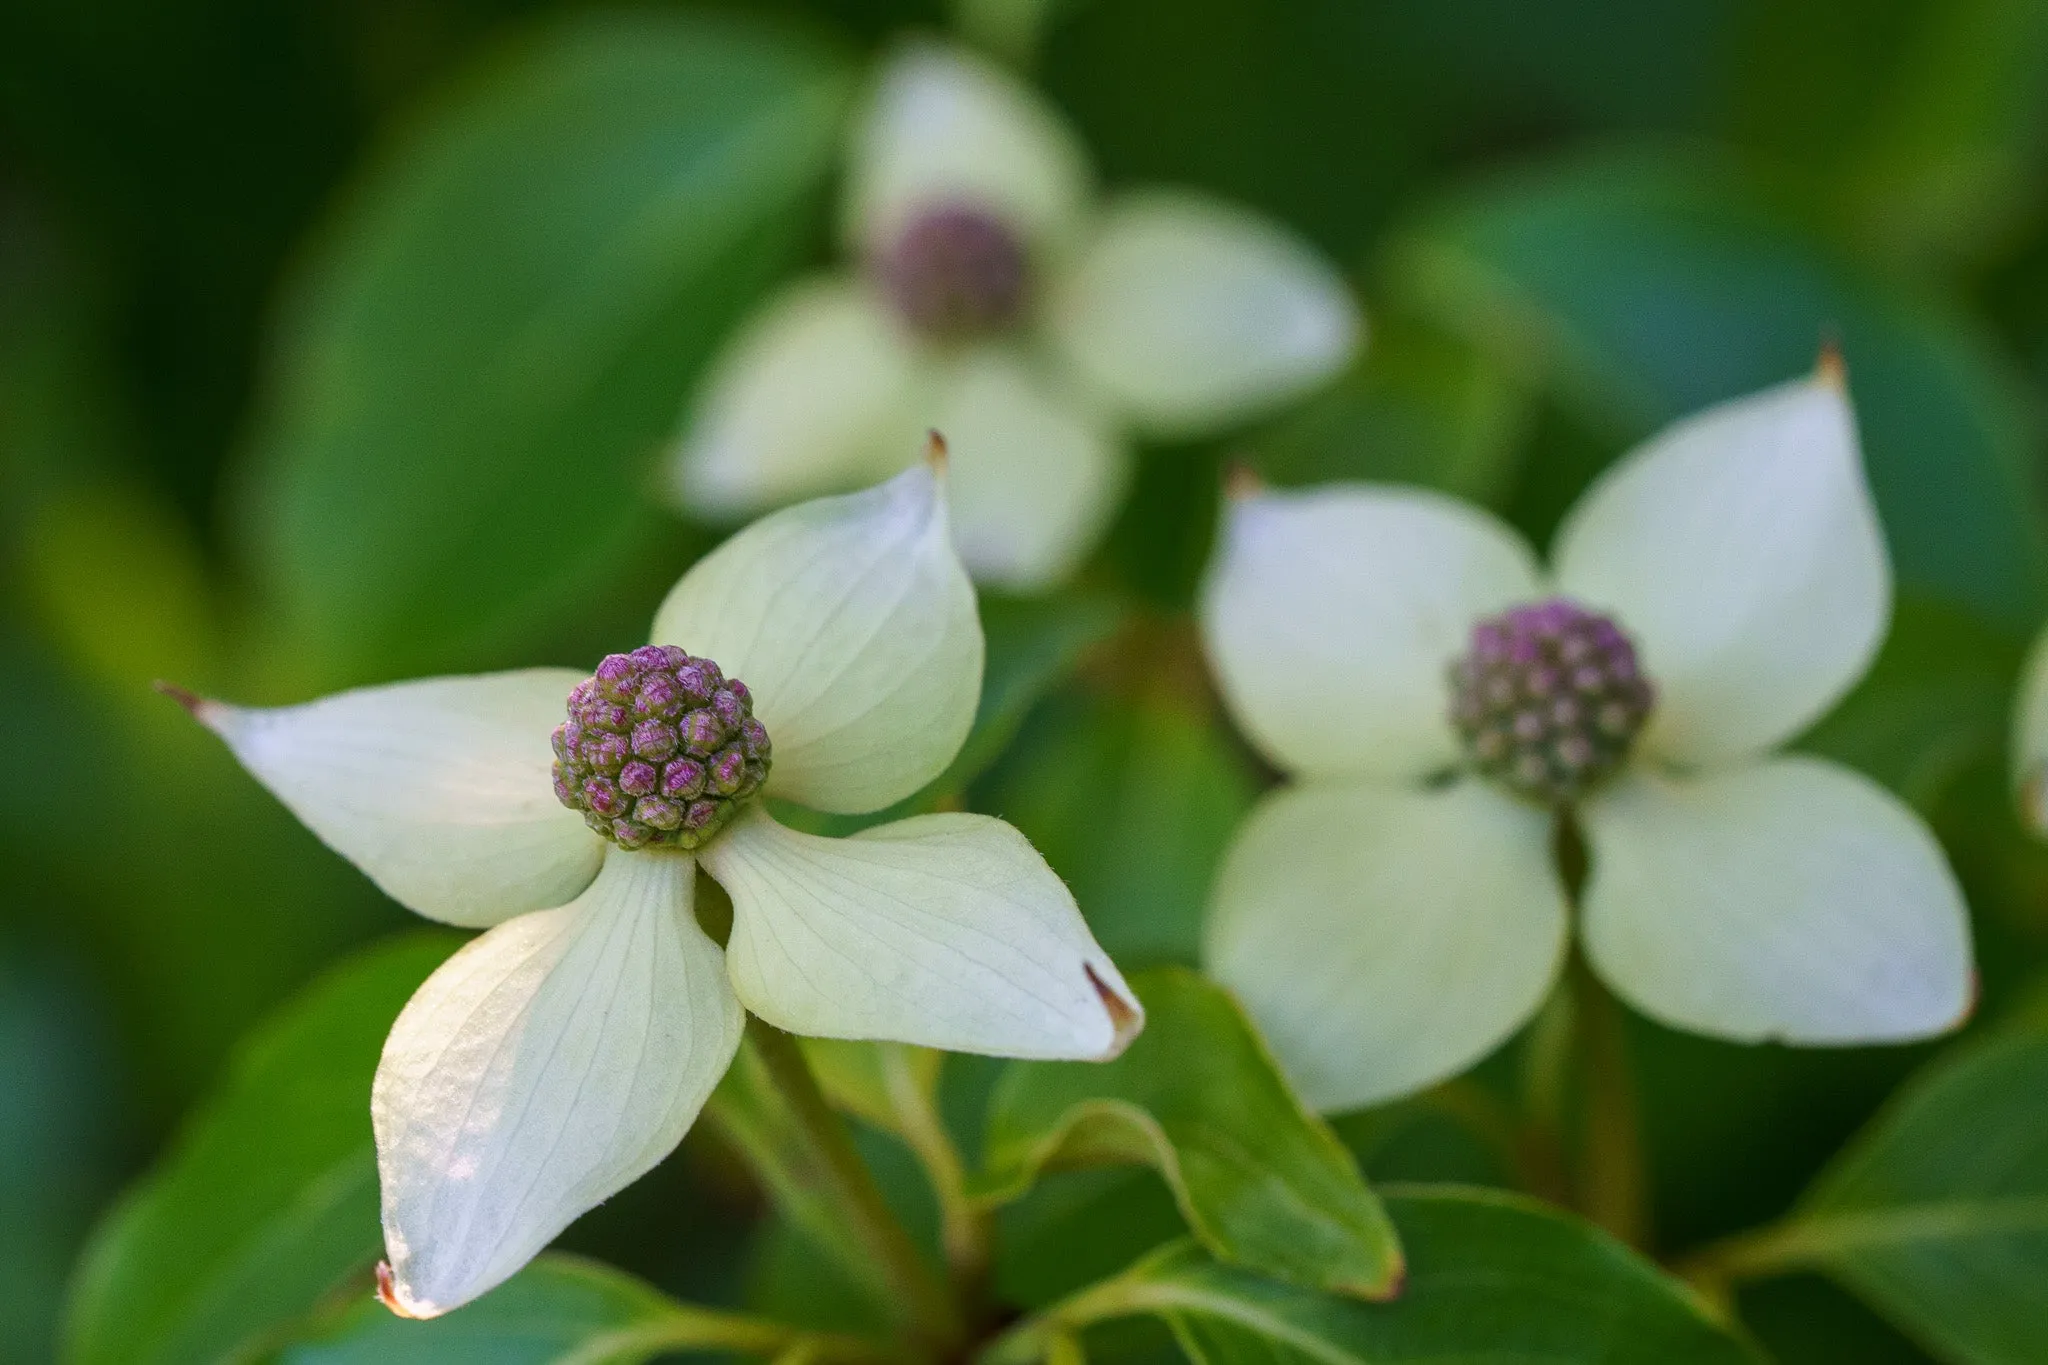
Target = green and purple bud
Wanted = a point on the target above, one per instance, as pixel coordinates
(660, 749)
(1549, 699)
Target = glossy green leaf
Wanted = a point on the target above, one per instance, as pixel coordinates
(1421, 408)
(561, 1310)
(1132, 802)
(1644, 288)
(1492, 1277)
(1933, 703)
(268, 1198)
(1261, 1181)
(496, 339)
(1938, 1214)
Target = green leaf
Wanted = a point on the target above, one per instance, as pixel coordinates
(1933, 703)
(267, 1200)
(1950, 157)
(558, 1309)
(561, 1310)
(1132, 801)
(1422, 408)
(1033, 643)
(497, 336)
(1261, 1181)
(1938, 1215)
(1644, 288)
(1492, 1277)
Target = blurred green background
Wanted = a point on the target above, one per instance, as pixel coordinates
(306, 380)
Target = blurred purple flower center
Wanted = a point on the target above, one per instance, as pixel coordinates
(1549, 698)
(956, 272)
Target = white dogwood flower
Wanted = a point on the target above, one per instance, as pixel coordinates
(567, 1049)
(1396, 911)
(993, 300)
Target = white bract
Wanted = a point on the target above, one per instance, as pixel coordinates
(1395, 912)
(991, 299)
(567, 1049)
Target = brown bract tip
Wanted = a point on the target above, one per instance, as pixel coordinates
(1241, 481)
(387, 1292)
(2034, 800)
(1126, 1020)
(1829, 369)
(200, 708)
(935, 451)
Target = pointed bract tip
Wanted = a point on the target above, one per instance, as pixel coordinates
(1974, 999)
(1829, 368)
(1126, 1019)
(1241, 481)
(387, 1292)
(2034, 800)
(935, 451)
(202, 709)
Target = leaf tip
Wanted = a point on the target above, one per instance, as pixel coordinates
(1389, 1286)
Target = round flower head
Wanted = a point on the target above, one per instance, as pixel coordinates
(1394, 913)
(991, 298)
(567, 1049)
(660, 750)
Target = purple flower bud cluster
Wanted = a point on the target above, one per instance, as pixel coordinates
(660, 749)
(956, 271)
(1549, 699)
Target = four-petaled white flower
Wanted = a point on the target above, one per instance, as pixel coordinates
(992, 302)
(568, 1048)
(1397, 911)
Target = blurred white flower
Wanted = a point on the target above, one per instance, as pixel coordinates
(992, 300)
(567, 1049)
(1396, 912)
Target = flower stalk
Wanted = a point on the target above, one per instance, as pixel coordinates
(775, 1113)
(963, 1227)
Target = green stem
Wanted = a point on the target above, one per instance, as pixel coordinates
(1052, 1336)
(1580, 1037)
(1613, 1181)
(963, 1228)
(1773, 1249)
(1547, 1061)
(772, 1108)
